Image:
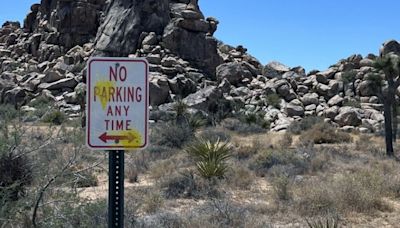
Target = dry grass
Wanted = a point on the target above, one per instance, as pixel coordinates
(325, 133)
(271, 180)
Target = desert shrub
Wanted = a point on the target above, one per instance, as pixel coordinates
(85, 179)
(42, 105)
(285, 141)
(210, 157)
(132, 174)
(15, 166)
(296, 127)
(245, 152)
(8, 112)
(54, 117)
(15, 176)
(241, 127)
(319, 162)
(227, 213)
(77, 214)
(360, 192)
(77, 68)
(240, 177)
(187, 185)
(181, 110)
(266, 159)
(171, 135)
(317, 198)
(365, 144)
(274, 100)
(282, 187)
(352, 103)
(160, 219)
(254, 119)
(152, 202)
(162, 168)
(196, 121)
(325, 133)
(218, 213)
(156, 152)
(214, 135)
(392, 185)
(326, 222)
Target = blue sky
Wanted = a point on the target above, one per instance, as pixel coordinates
(312, 33)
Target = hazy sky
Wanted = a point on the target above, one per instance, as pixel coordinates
(312, 33)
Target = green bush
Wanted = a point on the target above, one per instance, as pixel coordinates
(282, 187)
(361, 192)
(325, 133)
(284, 158)
(171, 135)
(214, 135)
(274, 100)
(152, 202)
(304, 124)
(188, 185)
(85, 179)
(79, 214)
(241, 127)
(240, 177)
(8, 112)
(210, 157)
(196, 121)
(54, 117)
(42, 105)
(15, 176)
(352, 103)
(349, 76)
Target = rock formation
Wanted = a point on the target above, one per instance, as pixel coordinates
(47, 57)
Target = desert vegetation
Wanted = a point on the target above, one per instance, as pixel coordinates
(205, 176)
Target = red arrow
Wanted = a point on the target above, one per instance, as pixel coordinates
(104, 137)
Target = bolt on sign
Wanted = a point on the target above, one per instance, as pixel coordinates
(117, 103)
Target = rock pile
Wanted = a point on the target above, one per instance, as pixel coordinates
(48, 55)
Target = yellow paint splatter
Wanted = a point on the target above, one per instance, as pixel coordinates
(134, 138)
(103, 90)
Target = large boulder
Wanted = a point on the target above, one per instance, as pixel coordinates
(209, 99)
(159, 90)
(367, 88)
(310, 98)
(70, 22)
(14, 96)
(69, 83)
(275, 70)
(294, 110)
(390, 46)
(195, 47)
(233, 72)
(124, 23)
(182, 86)
(336, 101)
(349, 116)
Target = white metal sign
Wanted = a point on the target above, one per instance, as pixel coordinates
(117, 103)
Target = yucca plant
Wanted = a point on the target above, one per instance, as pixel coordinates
(181, 108)
(196, 121)
(210, 157)
(321, 223)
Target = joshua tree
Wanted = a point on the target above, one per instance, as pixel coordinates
(388, 64)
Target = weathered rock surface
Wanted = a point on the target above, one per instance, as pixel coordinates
(48, 56)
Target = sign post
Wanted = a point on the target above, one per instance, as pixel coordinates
(116, 189)
(117, 118)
